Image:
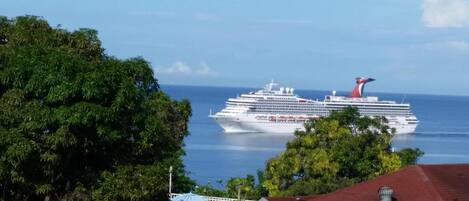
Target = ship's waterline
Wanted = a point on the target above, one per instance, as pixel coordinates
(249, 124)
(278, 110)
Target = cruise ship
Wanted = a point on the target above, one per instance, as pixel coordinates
(275, 109)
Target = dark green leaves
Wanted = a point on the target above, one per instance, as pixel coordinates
(76, 123)
(409, 156)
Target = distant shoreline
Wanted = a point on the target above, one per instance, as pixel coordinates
(318, 90)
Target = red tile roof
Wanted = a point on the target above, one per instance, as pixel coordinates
(295, 198)
(416, 183)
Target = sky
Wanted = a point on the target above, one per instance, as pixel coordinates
(408, 46)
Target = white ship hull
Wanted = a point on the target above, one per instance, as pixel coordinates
(237, 125)
(245, 123)
(279, 110)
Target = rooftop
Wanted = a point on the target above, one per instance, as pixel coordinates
(418, 183)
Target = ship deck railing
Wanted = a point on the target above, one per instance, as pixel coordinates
(210, 198)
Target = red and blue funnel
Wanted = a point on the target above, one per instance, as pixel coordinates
(358, 90)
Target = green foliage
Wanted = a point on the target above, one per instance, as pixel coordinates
(409, 156)
(241, 187)
(236, 187)
(335, 151)
(77, 124)
(210, 190)
(139, 182)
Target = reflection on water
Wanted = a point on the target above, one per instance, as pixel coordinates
(220, 156)
(439, 147)
(232, 148)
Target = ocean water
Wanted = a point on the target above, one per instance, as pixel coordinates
(211, 155)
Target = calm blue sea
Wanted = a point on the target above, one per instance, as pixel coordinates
(211, 155)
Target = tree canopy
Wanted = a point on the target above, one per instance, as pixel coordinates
(333, 152)
(78, 124)
(336, 151)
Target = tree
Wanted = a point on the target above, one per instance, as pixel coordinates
(78, 124)
(236, 187)
(409, 156)
(241, 188)
(335, 151)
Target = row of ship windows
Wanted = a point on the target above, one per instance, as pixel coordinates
(368, 106)
(309, 102)
(331, 108)
(325, 114)
(323, 108)
(326, 109)
(315, 111)
(316, 105)
(292, 99)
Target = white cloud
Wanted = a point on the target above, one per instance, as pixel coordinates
(288, 22)
(205, 16)
(445, 13)
(177, 67)
(458, 45)
(200, 16)
(447, 45)
(181, 68)
(204, 69)
(152, 13)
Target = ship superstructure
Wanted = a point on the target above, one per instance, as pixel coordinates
(275, 109)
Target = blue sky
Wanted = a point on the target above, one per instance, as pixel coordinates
(409, 46)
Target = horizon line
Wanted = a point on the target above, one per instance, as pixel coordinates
(303, 89)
